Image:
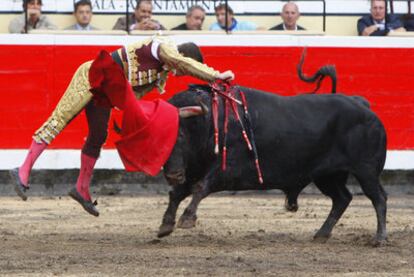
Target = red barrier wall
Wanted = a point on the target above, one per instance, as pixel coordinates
(33, 77)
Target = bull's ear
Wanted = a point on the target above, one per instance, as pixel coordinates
(190, 111)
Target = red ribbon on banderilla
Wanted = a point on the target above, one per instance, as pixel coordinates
(228, 93)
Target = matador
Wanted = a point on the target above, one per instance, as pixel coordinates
(145, 65)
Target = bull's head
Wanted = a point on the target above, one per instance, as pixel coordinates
(175, 167)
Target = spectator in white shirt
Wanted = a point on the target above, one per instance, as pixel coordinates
(83, 14)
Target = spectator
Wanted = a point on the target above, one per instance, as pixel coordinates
(35, 19)
(290, 15)
(409, 24)
(83, 14)
(408, 21)
(141, 19)
(232, 23)
(193, 20)
(377, 24)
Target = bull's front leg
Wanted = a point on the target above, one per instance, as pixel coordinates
(168, 220)
(189, 217)
(292, 193)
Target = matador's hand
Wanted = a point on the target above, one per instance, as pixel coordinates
(226, 75)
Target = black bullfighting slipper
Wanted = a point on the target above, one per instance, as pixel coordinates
(19, 187)
(86, 204)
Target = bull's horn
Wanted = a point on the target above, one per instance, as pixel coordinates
(190, 111)
(203, 107)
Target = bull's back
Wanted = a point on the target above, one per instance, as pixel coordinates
(308, 133)
(312, 116)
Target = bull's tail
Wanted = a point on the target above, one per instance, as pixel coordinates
(326, 70)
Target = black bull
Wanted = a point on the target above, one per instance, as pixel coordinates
(300, 139)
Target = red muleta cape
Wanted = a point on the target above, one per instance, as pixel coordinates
(149, 128)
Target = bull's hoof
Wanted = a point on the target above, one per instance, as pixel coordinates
(321, 238)
(187, 223)
(291, 208)
(165, 230)
(379, 242)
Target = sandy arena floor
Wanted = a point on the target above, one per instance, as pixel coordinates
(235, 235)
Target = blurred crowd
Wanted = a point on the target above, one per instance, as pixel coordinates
(377, 23)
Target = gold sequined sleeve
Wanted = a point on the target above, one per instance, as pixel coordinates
(187, 66)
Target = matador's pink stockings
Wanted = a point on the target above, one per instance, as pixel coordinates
(85, 176)
(34, 152)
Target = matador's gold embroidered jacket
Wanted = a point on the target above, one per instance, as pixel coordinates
(146, 64)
